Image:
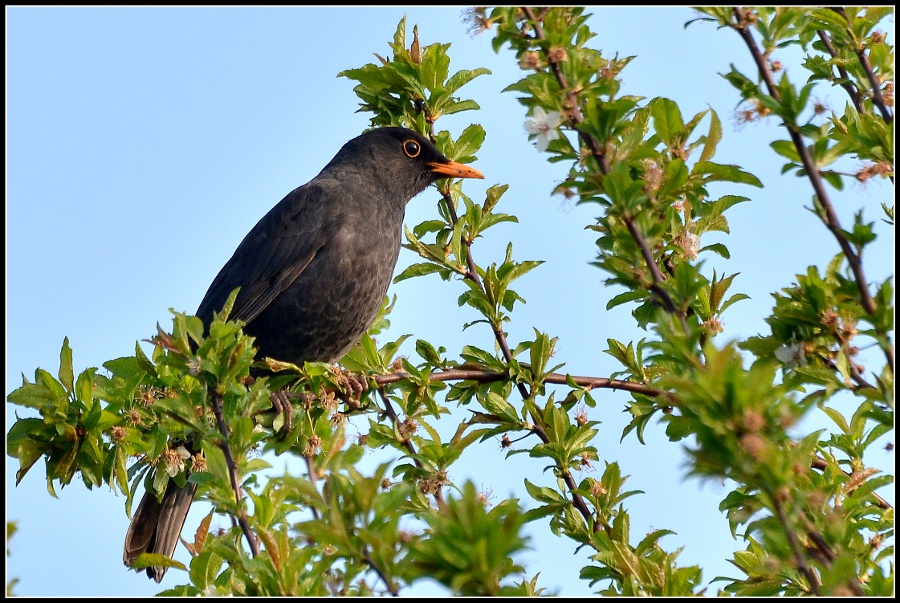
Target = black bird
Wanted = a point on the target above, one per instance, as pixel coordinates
(313, 273)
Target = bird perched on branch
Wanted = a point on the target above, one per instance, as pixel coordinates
(312, 275)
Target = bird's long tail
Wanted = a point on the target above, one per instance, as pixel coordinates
(156, 526)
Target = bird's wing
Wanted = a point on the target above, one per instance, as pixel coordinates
(271, 257)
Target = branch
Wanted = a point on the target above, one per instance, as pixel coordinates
(389, 411)
(846, 85)
(655, 273)
(830, 217)
(877, 97)
(861, 383)
(575, 115)
(577, 500)
(482, 376)
(367, 559)
(233, 473)
(799, 559)
(472, 274)
(571, 97)
(821, 464)
(555, 378)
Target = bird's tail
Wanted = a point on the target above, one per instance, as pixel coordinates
(156, 526)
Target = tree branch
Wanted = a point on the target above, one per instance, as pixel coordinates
(821, 464)
(846, 85)
(830, 217)
(367, 559)
(571, 98)
(233, 473)
(575, 115)
(472, 274)
(799, 558)
(877, 97)
(389, 411)
(483, 376)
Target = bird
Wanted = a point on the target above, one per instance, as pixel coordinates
(312, 274)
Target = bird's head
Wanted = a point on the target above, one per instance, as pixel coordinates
(403, 160)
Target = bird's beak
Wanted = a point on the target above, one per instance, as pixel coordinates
(451, 169)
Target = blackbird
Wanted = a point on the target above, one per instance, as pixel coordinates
(312, 275)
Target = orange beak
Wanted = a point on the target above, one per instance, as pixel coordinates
(454, 170)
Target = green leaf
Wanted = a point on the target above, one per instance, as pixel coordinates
(624, 298)
(32, 395)
(155, 559)
(718, 248)
(458, 106)
(728, 173)
(838, 419)
(541, 350)
(463, 77)
(667, 120)
(786, 149)
(66, 372)
(420, 269)
(712, 138)
(499, 407)
(468, 143)
(428, 353)
(204, 568)
(834, 179)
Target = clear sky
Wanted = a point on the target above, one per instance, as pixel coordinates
(143, 143)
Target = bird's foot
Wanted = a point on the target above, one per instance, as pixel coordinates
(352, 388)
(282, 404)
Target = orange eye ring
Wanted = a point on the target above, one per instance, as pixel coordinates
(412, 148)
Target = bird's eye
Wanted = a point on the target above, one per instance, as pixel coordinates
(412, 148)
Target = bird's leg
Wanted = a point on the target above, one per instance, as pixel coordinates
(281, 403)
(352, 387)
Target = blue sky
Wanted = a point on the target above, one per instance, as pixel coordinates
(143, 143)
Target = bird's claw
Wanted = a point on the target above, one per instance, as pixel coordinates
(352, 387)
(282, 404)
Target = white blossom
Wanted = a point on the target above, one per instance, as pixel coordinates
(690, 243)
(791, 355)
(543, 125)
(174, 460)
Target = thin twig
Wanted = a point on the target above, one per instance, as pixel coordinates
(572, 105)
(846, 83)
(830, 217)
(877, 97)
(468, 373)
(575, 115)
(472, 274)
(482, 376)
(857, 377)
(821, 549)
(500, 337)
(392, 588)
(233, 474)
(577, 500)
(799, 559)
(655, 273)
(821, 464)
(389, 411)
